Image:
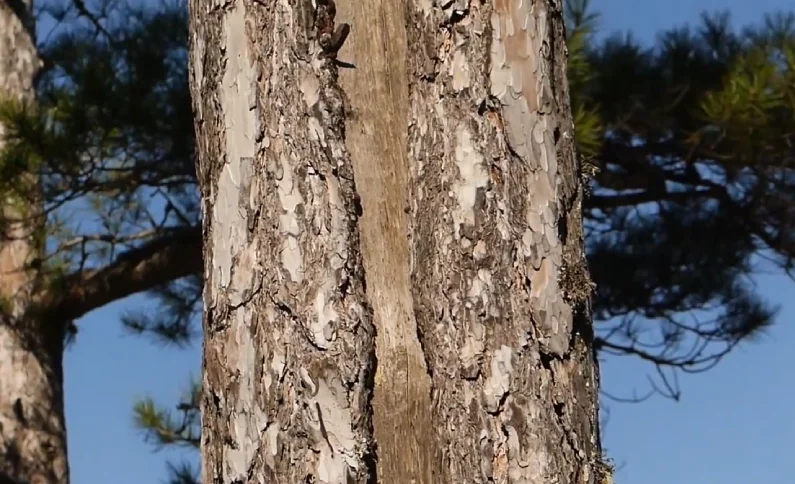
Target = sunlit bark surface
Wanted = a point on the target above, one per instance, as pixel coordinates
(395, 282)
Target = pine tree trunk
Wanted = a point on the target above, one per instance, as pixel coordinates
(32, 429)
(395, 281)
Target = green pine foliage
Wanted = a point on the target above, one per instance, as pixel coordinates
(581, 26)
(161, 428)
(692, 139)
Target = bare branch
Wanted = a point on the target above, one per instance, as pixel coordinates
(164, 259)
(107, 238)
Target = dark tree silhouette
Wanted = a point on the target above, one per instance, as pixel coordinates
(691, 145)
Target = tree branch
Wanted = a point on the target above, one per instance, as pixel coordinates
(165, 259)
(604, 202)
(83, 11)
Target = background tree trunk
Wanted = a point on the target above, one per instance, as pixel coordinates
(32, 429)
(439, 305)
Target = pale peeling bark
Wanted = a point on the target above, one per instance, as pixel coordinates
(32, 429)
(469, 245)
(497, 239)
(288, 352)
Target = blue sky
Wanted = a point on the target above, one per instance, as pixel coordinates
(734, 425)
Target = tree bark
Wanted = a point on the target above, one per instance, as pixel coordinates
(32, 430)
(396, 288)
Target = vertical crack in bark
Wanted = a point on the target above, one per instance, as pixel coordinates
(377, 140)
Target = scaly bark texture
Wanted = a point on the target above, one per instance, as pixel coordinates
(32, 430)
(465, 265)
(288, 352)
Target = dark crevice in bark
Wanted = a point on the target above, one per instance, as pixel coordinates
(563, 226)
(281, 306)
(582, 326)
(546, 360)
(456, 16)
(425, 353)
(370, 458)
